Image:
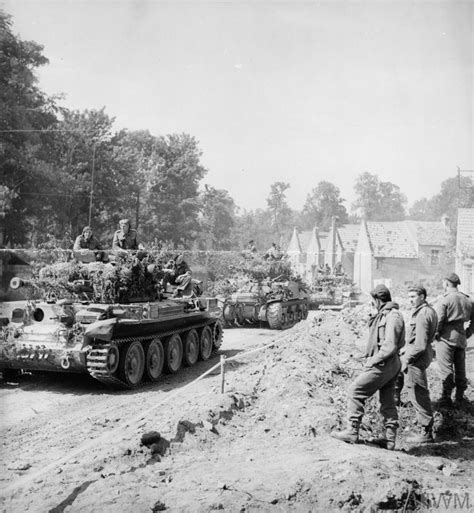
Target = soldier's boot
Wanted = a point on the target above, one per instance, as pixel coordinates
(350, 434)
(425, 437)
(391, 436)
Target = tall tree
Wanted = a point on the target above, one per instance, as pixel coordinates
(172, 197)
(26, 113)
(377, 200)
(281, 214)
(217, 219)
(456, 192)
(322, 203)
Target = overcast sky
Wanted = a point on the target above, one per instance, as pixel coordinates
(274, 91)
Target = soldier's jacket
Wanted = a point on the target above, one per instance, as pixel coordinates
(182, 268)
(386, 334)
(82, 243)
(421, 333)
(125, 240)
(454, 309)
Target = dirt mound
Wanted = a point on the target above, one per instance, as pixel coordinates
(265, 443)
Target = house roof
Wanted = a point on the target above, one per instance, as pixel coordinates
(349, 234)
(295, 245)
(465, 233)
(428, 233)
(391, 240)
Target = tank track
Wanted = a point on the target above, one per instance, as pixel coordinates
(275, 314)
(97, 356)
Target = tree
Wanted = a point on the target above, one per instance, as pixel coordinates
(26, 114)
(217, 219)
(455, 193)
(280, 213)
(172, 203)
(377, 200)
(321, 205)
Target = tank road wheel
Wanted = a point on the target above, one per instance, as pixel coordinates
(113, 358)
(155, 359)
(299, 315)
(206, 342)
(173, 353)
(218, 334)
(132, 363)
(191, 348)
(274, 316)
(291, 318)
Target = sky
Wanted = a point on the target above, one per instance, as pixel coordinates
(297, 92)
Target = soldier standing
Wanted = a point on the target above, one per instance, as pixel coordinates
(386, 337)
(453, 309)
(417, 358)
(125, 238)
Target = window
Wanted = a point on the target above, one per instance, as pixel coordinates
(434, 257)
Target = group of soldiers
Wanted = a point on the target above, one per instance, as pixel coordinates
(176, 272)
(124, 238)
(397, 354)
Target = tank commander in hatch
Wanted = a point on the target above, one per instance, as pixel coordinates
(85, 243)
(125, 237)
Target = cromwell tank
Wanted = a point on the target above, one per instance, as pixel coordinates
(279, 304)
(119, 343)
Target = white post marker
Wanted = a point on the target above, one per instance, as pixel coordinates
(222, 372)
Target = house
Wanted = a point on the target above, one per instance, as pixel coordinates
(465, 249)
(397, 252)
(401, 252)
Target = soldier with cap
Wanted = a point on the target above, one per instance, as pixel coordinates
(454, 309)
(386, 337)
(125, 238)
(417, 358)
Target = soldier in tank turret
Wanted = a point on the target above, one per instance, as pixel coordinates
(86, 244)
(125, 237)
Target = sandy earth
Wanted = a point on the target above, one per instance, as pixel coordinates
(70, 444)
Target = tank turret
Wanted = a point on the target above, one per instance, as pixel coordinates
(278, 304)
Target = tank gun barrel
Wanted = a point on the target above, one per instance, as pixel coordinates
(16, 283)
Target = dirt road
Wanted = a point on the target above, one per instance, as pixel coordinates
(69, 444)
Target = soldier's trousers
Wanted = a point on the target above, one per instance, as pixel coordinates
(452, 365)
(419, 394)
(184, 283)
(379, 378)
